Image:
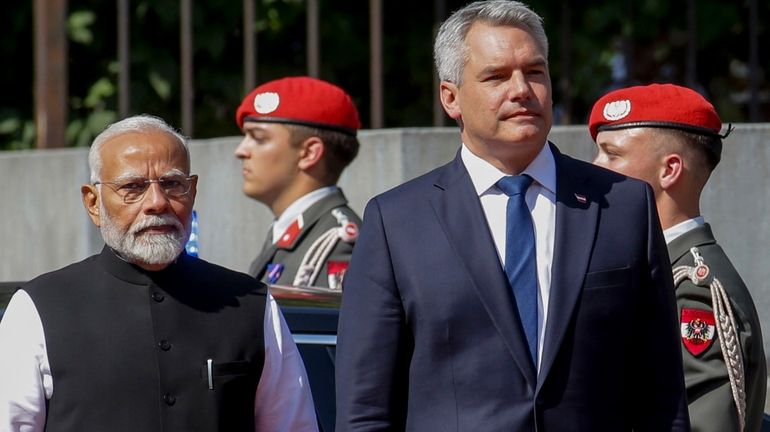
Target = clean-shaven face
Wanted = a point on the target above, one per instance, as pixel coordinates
(505, 96)
(270, 162)
(631, 152)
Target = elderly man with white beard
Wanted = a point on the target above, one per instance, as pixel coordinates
(143, 337)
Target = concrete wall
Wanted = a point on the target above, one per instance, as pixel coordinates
(43, 225)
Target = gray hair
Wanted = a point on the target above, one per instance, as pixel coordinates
(450, 51)
(142, 123)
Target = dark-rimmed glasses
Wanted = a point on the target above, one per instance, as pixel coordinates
(132, 190)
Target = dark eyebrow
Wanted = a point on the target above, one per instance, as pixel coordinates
(539, 61)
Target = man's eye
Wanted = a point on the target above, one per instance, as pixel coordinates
(490, 78)
(169, 184)
(132, 186)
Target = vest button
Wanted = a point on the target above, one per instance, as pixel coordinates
(158, 297)
(169, 399)
(164, 345)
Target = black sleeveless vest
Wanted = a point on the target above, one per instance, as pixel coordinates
(129, 349)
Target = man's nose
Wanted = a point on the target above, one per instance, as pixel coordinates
(240, 151)
(518, 87)
(155, 200)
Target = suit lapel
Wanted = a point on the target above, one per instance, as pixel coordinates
(459, 212)
(576, 222)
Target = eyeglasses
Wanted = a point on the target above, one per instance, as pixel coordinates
(132, 190)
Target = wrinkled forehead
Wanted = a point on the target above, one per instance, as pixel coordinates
(144, 154)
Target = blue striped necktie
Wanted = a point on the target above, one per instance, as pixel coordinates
(520, 264)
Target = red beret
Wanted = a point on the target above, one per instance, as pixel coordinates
(303, 101)
(655, 105)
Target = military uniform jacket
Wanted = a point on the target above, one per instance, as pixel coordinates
(128, 349)
(709, 393)
(293, 247)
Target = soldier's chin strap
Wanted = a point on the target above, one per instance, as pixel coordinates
(727, 330)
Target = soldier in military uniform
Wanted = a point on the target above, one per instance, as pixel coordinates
(670, 137)
(299, 135)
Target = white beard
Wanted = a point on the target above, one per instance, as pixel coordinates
(145, 248)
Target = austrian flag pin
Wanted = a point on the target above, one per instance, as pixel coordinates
(581, 198)
(698, 330)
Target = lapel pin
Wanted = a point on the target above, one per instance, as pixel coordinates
(581, 198)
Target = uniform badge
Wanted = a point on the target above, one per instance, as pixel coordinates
(290, 235)
(336, 272)
(616, 110)
(348, 232)
(274, 272)
(265, 103)
(698, 328)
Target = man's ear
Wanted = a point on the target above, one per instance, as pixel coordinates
(311, 153)
(672, 171)
(448, 95)
(91, 202)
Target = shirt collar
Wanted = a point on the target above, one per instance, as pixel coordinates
(298, 207)
(681, 228)
(484, 176)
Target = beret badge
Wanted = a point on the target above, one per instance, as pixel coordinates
(265, 103)
(616, 110)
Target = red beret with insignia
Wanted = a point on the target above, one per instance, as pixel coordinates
(656, 105)
(303, 101)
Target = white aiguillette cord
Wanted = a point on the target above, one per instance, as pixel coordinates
(726, 328)
(315, 257)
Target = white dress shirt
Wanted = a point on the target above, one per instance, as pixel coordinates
(671, 233)
(541, 200)
(283, 399)
(298, 207)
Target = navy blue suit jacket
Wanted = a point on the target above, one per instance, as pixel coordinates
(429, 339)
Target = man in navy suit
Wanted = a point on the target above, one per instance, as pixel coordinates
(459, 314)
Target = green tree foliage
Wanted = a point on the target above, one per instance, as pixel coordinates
(588, 42)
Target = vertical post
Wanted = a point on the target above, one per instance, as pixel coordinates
(375, 63)
(565, 81)
(754, 115)
(691, 74)
(627, 47)
(50, 72)
(439, 12)
(187, 67)
(124, 59)
(313, 39)
(249, 46)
